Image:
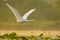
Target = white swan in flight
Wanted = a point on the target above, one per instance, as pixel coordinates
(18, 16)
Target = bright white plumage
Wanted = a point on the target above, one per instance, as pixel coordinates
(18, 16)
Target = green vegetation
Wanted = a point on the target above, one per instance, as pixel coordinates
(47, 14)
(14, 36)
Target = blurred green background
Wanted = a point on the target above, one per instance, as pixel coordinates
(47, 15)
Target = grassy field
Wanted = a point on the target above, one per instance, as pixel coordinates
(47, 15)
(34, 25)
(32, 33)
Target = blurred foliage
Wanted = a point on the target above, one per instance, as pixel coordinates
(5, 37)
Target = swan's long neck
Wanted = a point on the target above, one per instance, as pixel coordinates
(22, 20)
(30, 20)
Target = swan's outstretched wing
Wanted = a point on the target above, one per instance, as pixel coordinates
(27, 14)
(15, 12)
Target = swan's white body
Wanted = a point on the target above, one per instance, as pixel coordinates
(18, 16)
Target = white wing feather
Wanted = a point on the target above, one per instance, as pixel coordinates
(27, 14)
(15, 12)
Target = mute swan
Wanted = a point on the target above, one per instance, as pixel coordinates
(18, 16)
